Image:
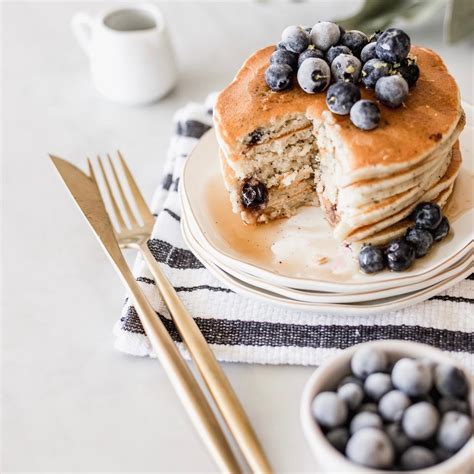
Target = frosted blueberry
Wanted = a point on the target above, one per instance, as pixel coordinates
(341, 96)
(365, 115)
(391, 90)
(417, 457)
(420, 421)
(400, 255)
(421, 239)
(412, 377)
(365, 419)
(398, 438)
(368, 52)
(371, 258)
(329, 410)
(454, 430)
(377, 385)
(346, 67)
(355, 40)
(393, 404)
(338, 437)
(295, 38)
(427, 215)
(373, 70)
(368, 360)
(352, 394)
(278, 76)
(325, 34)
(370, 447)
(442, 230)
(446, 404)
(282, 56)
(334, 51)
(314, 75)
(350, 379)
(409, 70)
(311, 52)
(393, 45)
(450, 380)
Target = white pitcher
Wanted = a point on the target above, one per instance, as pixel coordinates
(130, 53)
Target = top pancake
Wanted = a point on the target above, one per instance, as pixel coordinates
(405, 136)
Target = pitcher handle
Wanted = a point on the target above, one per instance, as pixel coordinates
(82, 28)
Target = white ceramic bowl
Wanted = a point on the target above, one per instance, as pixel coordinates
(328, 376)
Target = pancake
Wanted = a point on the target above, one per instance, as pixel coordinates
(366, 182)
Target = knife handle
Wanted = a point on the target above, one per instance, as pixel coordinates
(181, 377)
(210, 370)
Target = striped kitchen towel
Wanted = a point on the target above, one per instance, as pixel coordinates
(241, 329)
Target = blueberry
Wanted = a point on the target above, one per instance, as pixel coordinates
(334, 51)
(417, 457)
(368, 360)
(375, 36)
(412, 377)
(325, 34)
(377, 385)
(355, 40)
(338, 437)
(295, 38)
(341, 97)
(400, 255)
(421, 239)
(446, 404)
(398, 438)
(442, 230)
(368, 407)
(427, 215)
(314, 75)
(371, 259)
(278, 76)
(365, 419)
(450, 381)
(311, 52)
(253, 194)
(365, 114)
(420, 421)
(370, 447)
(391, 90)
(409, 70)
(352, 394)
(393, 404)
(346, 67)
(256, 136)
(454, 431)
(329, 410)
(373, 70)
(368, 52)
(282, 56)
(350, 379)
(393, 45)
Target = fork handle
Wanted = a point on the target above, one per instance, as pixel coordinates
(210, 370)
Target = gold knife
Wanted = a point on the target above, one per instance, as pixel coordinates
(86, 194)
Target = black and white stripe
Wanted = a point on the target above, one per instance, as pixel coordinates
(241, 329)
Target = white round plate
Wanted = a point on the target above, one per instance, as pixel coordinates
(353, 309)
(273, 252)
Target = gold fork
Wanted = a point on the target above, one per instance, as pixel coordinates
(136, 236)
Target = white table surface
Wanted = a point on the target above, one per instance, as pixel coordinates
(70, 402)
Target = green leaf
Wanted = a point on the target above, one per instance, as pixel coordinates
(459, 20)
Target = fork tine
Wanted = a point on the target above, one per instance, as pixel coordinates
(140, 202)
(116, 209)
(91, 170)
(129, 211)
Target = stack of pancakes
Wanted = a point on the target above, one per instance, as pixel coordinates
(367, 183)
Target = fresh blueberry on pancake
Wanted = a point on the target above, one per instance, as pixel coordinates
(355, 40)
(314, 75)
(371, 259)
(334, 51)
(253, 194)
(346, 67)
(442, 230)
(278, 76)
(341, 97)
(400, 255)
(325, 34)
(282, 56)
(409, 70)
(427, 215)
(393, 45)
(391, 90)
(373, 70)
(295, 38)
(368, 52)
(421, 239)
(311, 52)
(365, 114)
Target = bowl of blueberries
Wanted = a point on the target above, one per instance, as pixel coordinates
(390, 406)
